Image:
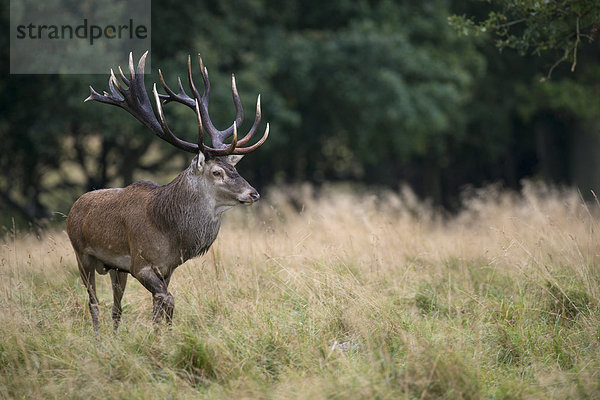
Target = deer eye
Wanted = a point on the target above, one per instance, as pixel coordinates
(217, 173)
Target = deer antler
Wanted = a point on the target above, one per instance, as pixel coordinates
(218, 137)
(134, 99)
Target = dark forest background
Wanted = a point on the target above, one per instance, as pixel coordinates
(380, 93)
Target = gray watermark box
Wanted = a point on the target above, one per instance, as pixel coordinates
(76, 37)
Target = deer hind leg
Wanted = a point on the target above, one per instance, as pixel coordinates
(119, 281)
(163, 301)
(169, 305)
(87, 269)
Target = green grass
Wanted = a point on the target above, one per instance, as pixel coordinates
(352, 297)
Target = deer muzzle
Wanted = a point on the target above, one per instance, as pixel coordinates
(250, 198)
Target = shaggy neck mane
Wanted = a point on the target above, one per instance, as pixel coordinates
(187, 214)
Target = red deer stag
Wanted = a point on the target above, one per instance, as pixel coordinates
(148, 230)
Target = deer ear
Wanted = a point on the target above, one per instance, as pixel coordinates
(234, 159)
(198, 163)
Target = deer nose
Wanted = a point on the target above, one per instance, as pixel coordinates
(254, 196)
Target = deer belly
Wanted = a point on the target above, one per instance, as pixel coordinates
(121, 261)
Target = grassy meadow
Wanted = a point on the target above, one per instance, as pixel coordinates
(334, 294)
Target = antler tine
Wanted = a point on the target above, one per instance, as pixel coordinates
(170, 93)
(131, 70)
(193, 87)
(252, 130)
(239, 111)
(200, 129)
(180, 97)
(204, 72)
(169, 135)
(141, 63)
(250, 149)
(98, 97)
(137, 87)
(123, 76)
(180, 85)
(112, 82)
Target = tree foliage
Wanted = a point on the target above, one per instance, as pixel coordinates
(537, 26)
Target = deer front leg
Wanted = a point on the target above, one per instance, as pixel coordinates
(163, 301)
(163, 307)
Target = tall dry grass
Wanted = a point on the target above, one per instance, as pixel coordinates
(335, 294)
